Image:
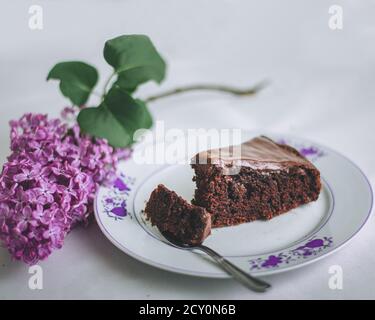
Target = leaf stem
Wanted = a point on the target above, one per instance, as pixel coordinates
(106, 84)
(210, 87)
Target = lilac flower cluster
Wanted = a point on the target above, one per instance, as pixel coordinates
(48, 184)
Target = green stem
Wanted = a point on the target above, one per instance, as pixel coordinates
(106, 84)
(210, 87)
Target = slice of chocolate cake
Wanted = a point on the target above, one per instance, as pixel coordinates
(186, 223)
(271, 179)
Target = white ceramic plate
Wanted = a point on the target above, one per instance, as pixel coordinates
(292, 240)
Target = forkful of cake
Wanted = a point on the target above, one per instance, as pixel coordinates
(186, 226)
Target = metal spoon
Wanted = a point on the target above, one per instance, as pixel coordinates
(241, 276)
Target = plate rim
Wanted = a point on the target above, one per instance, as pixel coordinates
(269, 272)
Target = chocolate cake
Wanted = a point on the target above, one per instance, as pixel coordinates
(271, 179)
(186, 223)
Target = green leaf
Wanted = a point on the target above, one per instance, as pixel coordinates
(146, 118)
(116, 119)
(135, 60)
(77, 79)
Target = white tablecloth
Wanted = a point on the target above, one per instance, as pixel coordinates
(322, 88)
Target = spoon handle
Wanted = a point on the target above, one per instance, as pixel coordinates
(243, 277)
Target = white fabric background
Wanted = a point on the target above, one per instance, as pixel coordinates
(322, 89)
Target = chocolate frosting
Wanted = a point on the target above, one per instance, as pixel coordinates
(258, 153)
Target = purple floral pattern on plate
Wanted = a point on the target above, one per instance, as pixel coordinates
(115, 201)
(311, 152)
(311, 248)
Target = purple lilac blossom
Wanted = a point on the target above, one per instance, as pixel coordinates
(48, 183)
